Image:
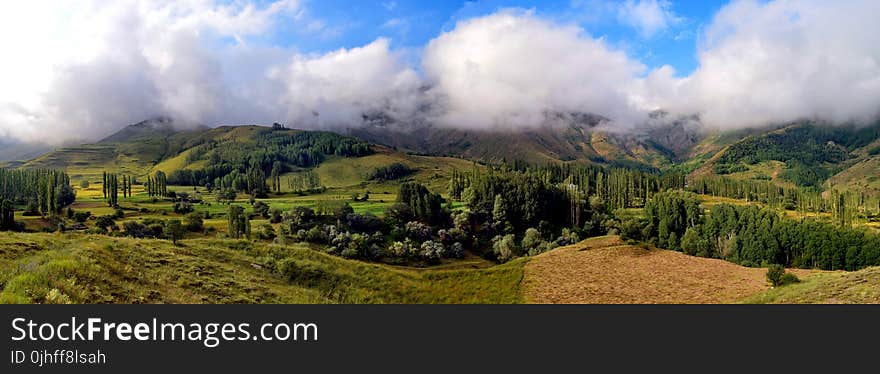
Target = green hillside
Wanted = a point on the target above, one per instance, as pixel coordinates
(858, 287)
(805, 155)
(574, 141)
(78, 268)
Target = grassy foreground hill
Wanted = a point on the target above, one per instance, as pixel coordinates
(80, 268)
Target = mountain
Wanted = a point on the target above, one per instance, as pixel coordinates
(133, 149)
(12, 150)
(566, 137)
(806, 154)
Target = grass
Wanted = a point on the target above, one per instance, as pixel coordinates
(81, 268)
(838, 287)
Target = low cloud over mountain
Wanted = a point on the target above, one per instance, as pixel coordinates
(93, 67)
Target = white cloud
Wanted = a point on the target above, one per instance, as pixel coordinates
(106, 65)
(782, 61)
(509, 68)
(80, 69)
(648, 17)
(335, 89)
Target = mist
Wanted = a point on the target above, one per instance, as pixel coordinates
(90, 68)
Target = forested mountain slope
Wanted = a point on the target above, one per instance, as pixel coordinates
(805, 154)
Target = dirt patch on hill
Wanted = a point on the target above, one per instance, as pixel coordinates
(608, 271)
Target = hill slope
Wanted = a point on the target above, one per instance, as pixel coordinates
(803, 154)
(132, 150)
(840, 287)
(80, 268)
(607, 270)
(564, 137)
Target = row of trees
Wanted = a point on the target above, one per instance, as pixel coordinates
(111, 186)
(752, 236)
(157, 185)
(43, 191)
(845, 207)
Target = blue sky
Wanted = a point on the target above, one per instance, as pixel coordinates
(327, 25)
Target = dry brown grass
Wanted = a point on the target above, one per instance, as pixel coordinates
(606, 270)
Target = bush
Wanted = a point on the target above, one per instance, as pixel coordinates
(261, 209)
(774, 274)
(182, 207)
(105, 222)
(275, 215)
(81, 216)
(418, 231)
(137, 230)
(432, 251)
(267, 232)
(84, 184)
(788, 278)
(194, 222)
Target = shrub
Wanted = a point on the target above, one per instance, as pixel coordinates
(137, 230)
(432, 251)
(275, 215)
(774, 274)
(81, 216)
(194, 222)
(267, 232)
(104, 222)
(182, 207)
(261, 209)
(456, 250)
(84, 184)
(418, 231)
(788, 278)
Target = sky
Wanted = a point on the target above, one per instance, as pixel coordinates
(78, 70)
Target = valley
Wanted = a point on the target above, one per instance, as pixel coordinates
(252, 214)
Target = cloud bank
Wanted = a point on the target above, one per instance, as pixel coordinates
(92, 67)
(509, 68)
(781, 61)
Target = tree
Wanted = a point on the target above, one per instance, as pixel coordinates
(499, 215)
(531, 241)
(194, 222)
(7, 217)
(238, 223)
(276, 176)
(504, 247)
(693, 243)
(84, 184)
(175, 230)
(424, 205)
(774, 274)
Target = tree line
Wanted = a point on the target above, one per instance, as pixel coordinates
(41, 191)
(752, 235)
(845, 207)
